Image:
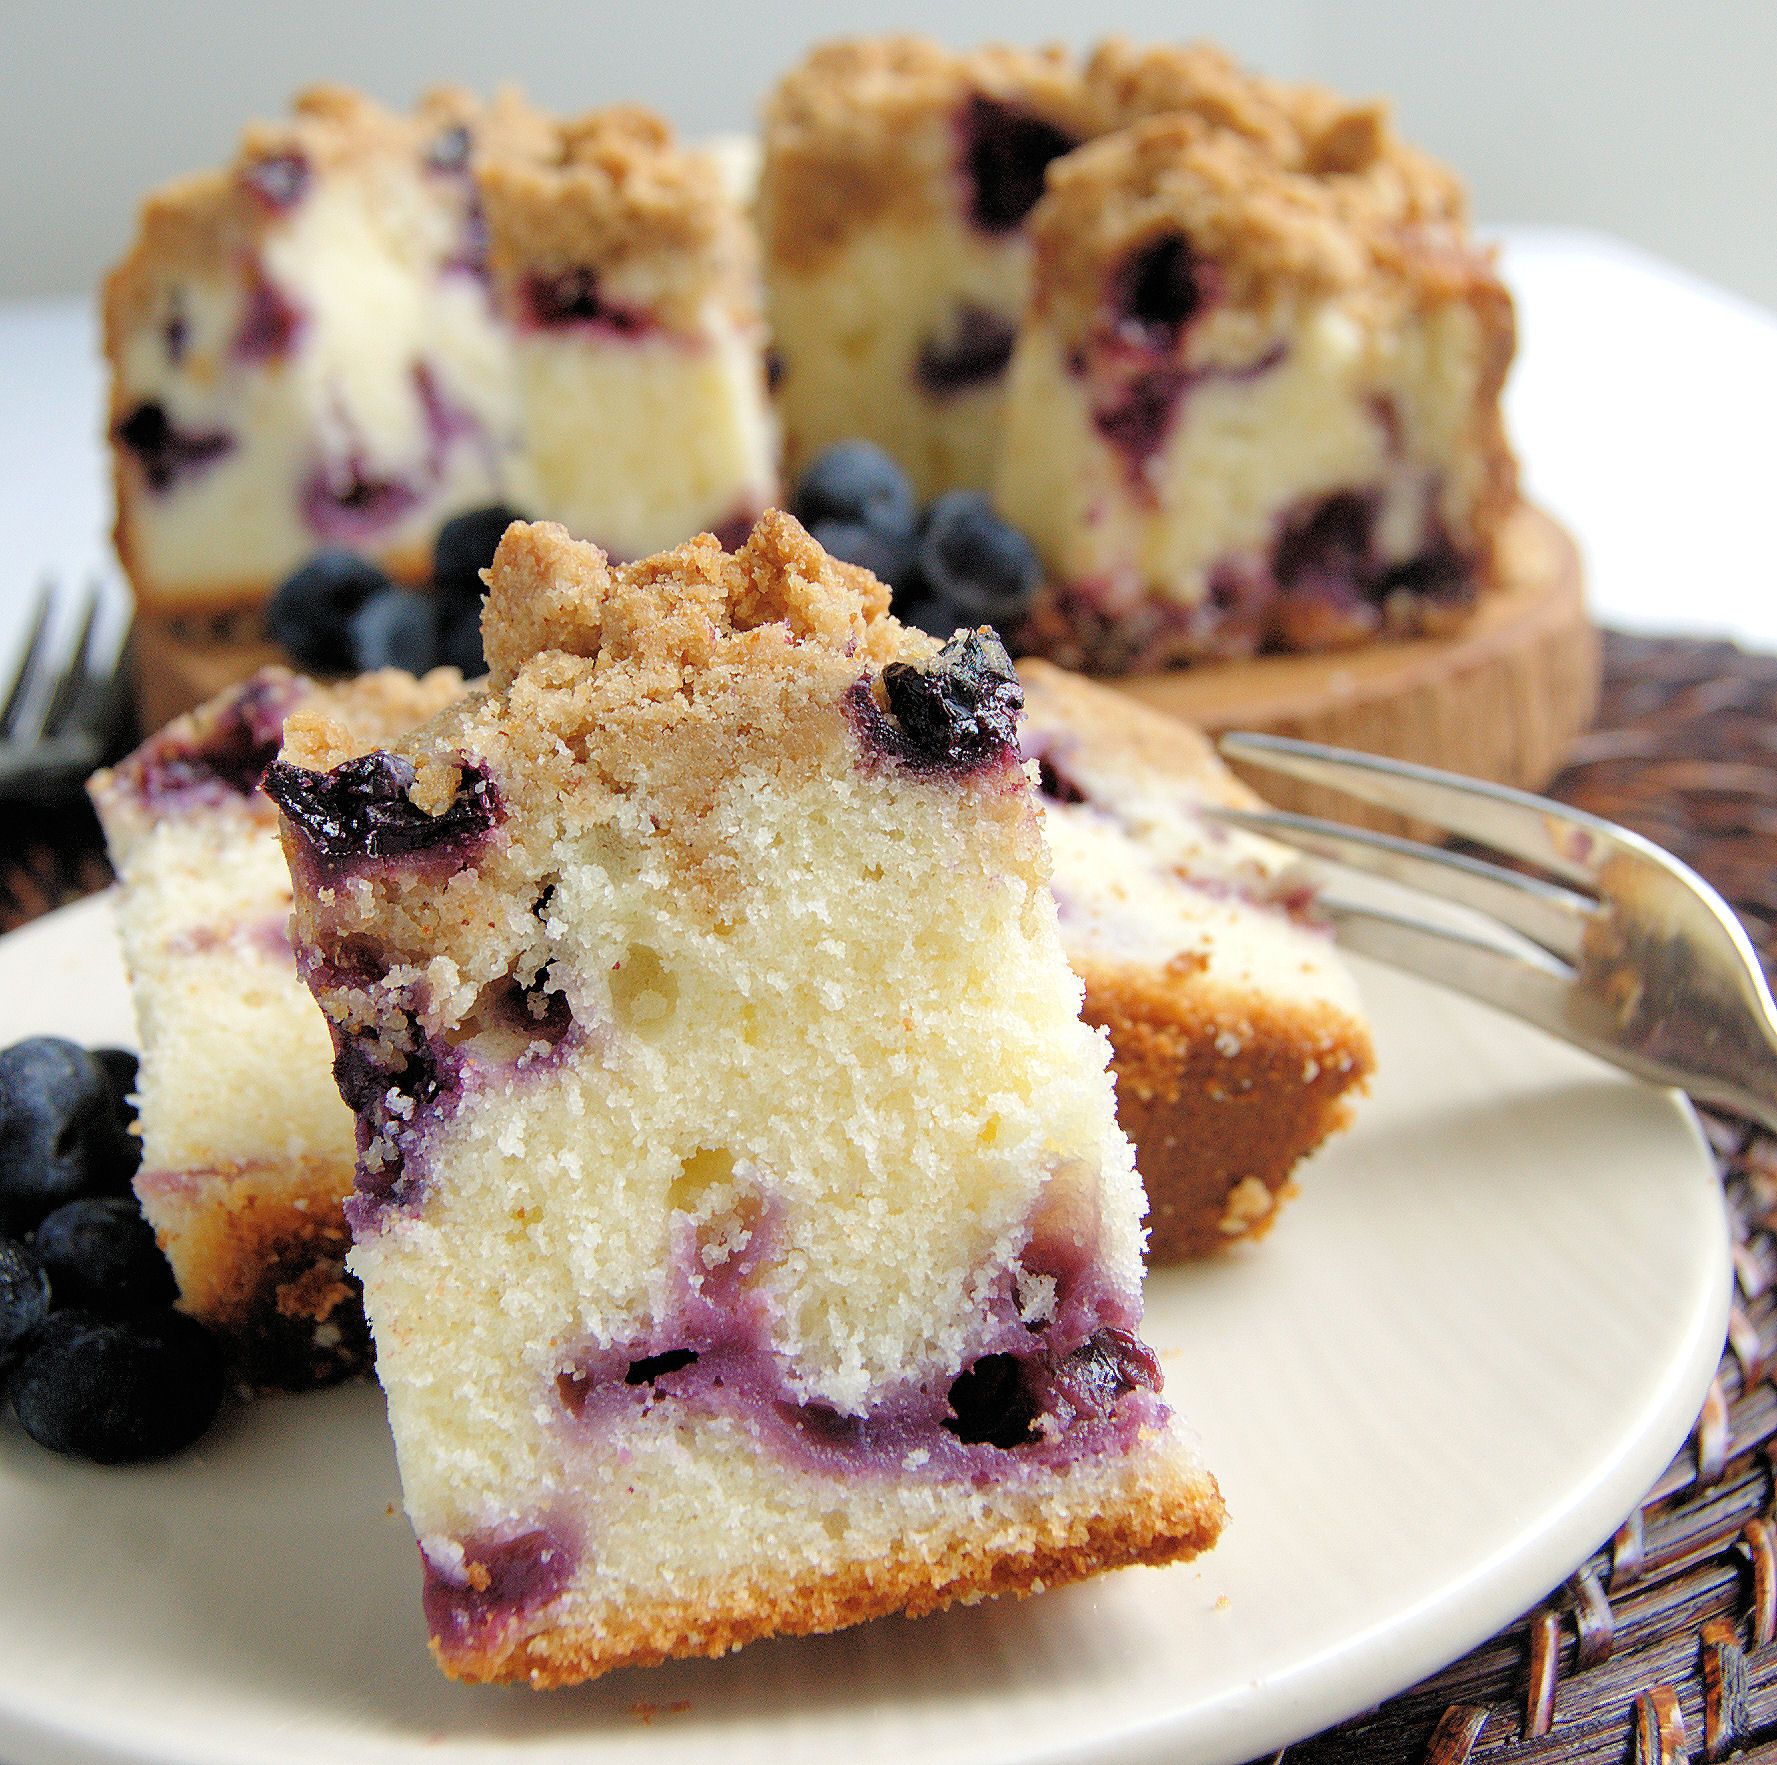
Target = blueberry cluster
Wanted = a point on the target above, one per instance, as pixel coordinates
(340, 614)
(956, 563)
(93, 1357)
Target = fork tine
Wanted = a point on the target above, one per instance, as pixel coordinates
(1567, 842)
(1554, 916)
(73, 683)
(18, 694)
(1531, 987)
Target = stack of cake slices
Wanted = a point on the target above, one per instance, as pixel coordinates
(1222, 347)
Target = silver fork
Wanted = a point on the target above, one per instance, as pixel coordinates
(1628, 953)
(64, 702)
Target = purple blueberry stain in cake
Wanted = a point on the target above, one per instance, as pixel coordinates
(269, 326)
(278, 180)
(397, 1083)
(955, 713)
(1002, 155)
(477, 1587)
(573, 299)
(166, 454)
(345, 504)
(1057, 1373)
(176, 771)
(1159, 289)
(361, 812)
(973, 352)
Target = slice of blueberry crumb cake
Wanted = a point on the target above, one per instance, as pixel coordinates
(742, 1218)
(247, 1152)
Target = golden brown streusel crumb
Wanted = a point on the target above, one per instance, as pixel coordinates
(613, 190)
(863, 131)
(1268, 229)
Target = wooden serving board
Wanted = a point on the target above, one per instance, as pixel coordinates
(1500, 700)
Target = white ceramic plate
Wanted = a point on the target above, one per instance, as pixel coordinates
(1443, 1380)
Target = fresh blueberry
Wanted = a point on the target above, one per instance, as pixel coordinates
(887, 556)
(459, 640)
(118, 1391)
(24, 1298)
(465, 547)
(311, 613)
(856, 481)
(121, 1069)
(977, 565)
(395, 628)
(100, 1255)
(60, 1136)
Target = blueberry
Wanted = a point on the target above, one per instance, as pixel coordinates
(395, 628)
(856, 481)
(361, 808)
(121, 1069)
(116, 1392)
(465, 547)
(24, 1298)
(100, 1255)
(991, 1403)
(60, 1136)
(887, 556)
(459, 639)
(1005, 154)
(979, 566)
(311, 613)
(166, 452)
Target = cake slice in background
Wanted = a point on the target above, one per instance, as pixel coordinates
(627, 275)
(247, 1150)
(372, 322)
(1253, 405)
(895, 183)
(743, 1222)
(1237, 1033)
(304, 352)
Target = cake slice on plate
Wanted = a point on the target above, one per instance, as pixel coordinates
(742, 1218)
(1238, 1038)
(247, 1150)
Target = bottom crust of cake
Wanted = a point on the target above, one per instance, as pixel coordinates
(1217, 1133)
(259, 1253)
(1156, 1513)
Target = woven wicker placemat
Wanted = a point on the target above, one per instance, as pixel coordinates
(1663, 1645)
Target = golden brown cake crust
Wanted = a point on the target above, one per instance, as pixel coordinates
(1164, 1518)
(261, 1260)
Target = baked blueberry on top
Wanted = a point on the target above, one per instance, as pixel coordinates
(741, 1214)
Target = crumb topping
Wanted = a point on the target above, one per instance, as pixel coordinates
(663, 677)
(1269, 230)
(861, 132)
(615, 192)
